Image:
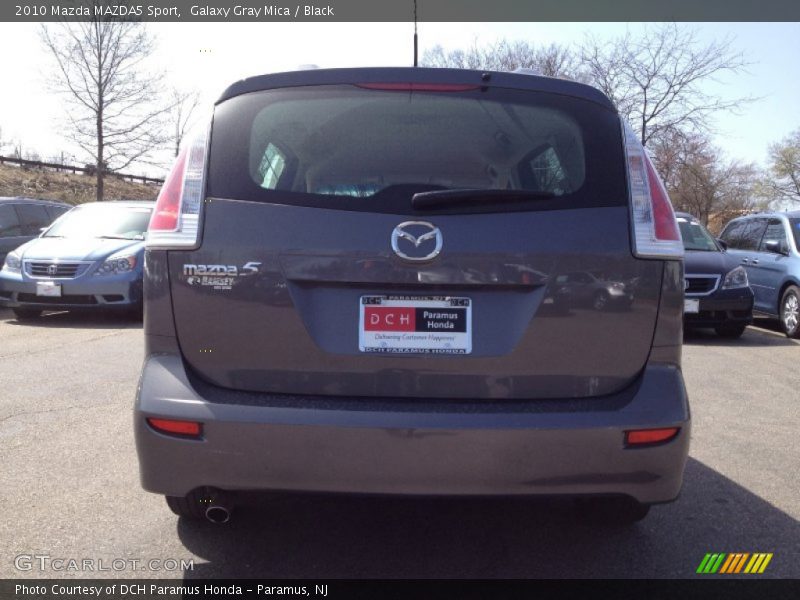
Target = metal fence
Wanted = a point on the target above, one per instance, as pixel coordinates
(39, 165)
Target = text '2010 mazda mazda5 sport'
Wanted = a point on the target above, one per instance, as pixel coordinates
(345, 292)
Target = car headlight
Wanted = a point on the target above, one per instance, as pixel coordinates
(736, 278)
(13, 263)
(116, 264)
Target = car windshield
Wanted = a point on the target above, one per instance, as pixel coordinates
(102, 221)
(696, 237)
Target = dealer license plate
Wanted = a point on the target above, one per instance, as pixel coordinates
(415, 325)
(691, 305)
(48, 288)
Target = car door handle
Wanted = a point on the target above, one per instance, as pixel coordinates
(754, 261)
(744, 261)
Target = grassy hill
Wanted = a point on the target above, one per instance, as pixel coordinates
(68, 187)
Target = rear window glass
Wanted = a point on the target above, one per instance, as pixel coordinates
(355, 148)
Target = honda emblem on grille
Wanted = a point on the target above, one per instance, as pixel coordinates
(52, 269)
(427, 233)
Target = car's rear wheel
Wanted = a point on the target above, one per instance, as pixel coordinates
(26, 314)
(613, 511)
(790, 312)
(731, 330)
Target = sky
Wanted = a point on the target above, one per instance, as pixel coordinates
(210, 56)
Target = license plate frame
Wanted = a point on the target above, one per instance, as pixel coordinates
(48, 289)
(415, 324)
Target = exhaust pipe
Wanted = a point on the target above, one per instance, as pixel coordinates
(218, 514)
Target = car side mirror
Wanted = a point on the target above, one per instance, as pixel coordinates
(722, 243)
(776, 247)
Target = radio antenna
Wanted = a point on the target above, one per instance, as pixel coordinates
(415, 33)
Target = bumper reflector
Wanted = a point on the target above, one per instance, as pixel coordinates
(170, 426)
(644, 437)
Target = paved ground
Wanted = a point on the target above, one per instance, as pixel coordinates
(69, 484)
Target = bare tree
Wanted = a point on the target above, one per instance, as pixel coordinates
(183, 105)
(553, 60)
(113, 106)
(701, 181)
(784, 167)
(656, 79)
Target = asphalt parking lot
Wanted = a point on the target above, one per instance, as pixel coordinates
(70, 485)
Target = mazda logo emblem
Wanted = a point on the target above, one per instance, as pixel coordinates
(409, 236)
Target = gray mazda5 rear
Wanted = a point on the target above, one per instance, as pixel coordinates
(350, 287)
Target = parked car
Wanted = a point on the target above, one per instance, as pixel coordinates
(717, 292)
(90, 258)
(767, 245)
(22, 219)
(330, 308)
(588, 289)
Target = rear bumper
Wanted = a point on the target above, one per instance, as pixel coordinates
(723, 306)
(258, 442)
(118, 291)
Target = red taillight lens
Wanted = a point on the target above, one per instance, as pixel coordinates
(663, 216)
(168, 206)
(642, 437)
(655, 230)
(419, 87)
(189, 428)
(176, 218)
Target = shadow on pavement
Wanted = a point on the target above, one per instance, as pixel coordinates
(309, 536)
(76, 319)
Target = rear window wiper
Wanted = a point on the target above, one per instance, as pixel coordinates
(468, 197)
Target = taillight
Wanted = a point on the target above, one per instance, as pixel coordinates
(176, 217)
(419, 87)
(655, 230)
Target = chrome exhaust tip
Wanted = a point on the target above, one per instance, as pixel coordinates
(218, 514)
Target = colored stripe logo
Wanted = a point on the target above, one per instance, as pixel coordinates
(735, 562)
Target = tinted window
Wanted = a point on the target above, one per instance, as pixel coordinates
(102, 221)
(751, 237)
(775, 232)
(33, 217)
(9, 221)
(56, 211)
(695, 237)
(365, 149)
(745, 234)
(733, 233)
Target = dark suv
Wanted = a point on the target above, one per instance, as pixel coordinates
(718, 293)
(345, 292)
